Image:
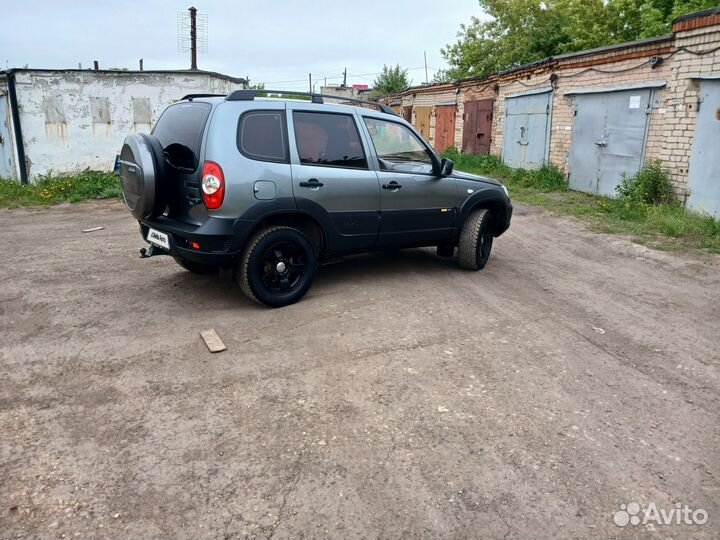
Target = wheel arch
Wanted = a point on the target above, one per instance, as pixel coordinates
(309, 226)
(490, 199)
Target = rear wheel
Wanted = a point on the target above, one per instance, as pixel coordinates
(277, 266)
(476, 240)
(195, 267)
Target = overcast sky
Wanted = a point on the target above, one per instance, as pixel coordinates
(276, 42)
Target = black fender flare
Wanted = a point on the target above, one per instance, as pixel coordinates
(283, 206)
(487, 197)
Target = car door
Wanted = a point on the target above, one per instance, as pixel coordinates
(417, 205)
(331, 177)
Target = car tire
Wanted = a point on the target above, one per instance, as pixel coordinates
(476, 240)
(195, 267)
(277, 266)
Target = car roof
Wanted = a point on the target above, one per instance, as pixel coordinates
(315, 99)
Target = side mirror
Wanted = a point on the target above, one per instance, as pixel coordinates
(446, 167)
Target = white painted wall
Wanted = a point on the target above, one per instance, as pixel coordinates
(58, 130)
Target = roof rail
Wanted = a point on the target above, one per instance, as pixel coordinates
(250, 95)
(190, 97)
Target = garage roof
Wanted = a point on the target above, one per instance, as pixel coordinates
(618, 88)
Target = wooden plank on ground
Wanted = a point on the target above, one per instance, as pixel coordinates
(213, 341)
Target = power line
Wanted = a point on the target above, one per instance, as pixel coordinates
(321, 75)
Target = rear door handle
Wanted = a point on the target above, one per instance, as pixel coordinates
(392, 186)
(312, 183)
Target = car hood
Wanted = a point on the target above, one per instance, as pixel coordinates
(474, 178)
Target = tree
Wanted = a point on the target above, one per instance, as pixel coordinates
(441, 76)
(391, 80)
(522, 31)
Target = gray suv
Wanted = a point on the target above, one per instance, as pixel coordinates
(273, 187)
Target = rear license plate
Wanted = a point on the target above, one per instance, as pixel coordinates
(158, 238)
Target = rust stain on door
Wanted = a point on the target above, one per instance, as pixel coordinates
(444, 127)
(477, 126)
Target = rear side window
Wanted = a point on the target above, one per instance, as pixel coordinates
(180, 132)
(261, 136)
(328, 139)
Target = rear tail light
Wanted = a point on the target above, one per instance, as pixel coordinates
(213, 185)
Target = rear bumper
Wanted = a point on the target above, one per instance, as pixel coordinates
(219, 239)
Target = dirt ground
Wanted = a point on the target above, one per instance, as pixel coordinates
(403, 397)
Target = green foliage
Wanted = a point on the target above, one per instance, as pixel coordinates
(441, 76)
(650, 185)
(547, 178)
(522, 31)
(391, 80)
(665, 225)
(50, 189)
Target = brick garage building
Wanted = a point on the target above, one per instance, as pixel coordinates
(599, 113)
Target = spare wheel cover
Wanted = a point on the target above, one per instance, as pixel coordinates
(138, 172)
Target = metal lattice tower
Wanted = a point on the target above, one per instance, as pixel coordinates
(192, 34)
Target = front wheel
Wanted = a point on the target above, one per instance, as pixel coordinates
(476, 240)
(277, 266)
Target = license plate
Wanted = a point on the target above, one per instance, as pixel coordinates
(159, 239)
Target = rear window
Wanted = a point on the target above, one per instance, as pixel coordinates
(180, 131)
(261, 136)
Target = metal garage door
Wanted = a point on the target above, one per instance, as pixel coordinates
(608, 138)
(704, 180)
(5, 142)
(407, 114)
(422, 121)
(477, 126)
(527, 134)
(444, 127)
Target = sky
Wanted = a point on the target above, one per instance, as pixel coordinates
(272, 41)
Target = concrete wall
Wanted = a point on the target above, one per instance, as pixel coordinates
(73, 120)
(7, 146)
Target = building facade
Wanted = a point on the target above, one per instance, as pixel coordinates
(595, 114)
(64, 121)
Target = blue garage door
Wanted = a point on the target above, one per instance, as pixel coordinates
(527, 137)
(704, 180)
(608, 139)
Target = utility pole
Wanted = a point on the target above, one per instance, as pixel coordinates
(310, 81)
(426, 73)
(345, 78)
(193, 37)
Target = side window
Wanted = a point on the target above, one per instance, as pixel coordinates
(261, 136)
(328, 139)
(398, 148)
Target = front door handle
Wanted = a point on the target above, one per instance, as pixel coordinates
(392, 186)
(312, 183)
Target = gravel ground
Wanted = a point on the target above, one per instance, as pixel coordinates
(403, 397)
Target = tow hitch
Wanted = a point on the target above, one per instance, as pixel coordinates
(152, 251)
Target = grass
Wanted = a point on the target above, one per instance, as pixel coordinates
(663, 226)
(666, 226)
(50, 189)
